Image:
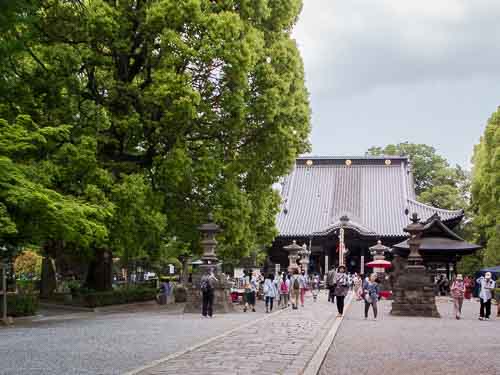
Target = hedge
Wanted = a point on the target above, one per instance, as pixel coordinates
(118, 296)
(20, 304)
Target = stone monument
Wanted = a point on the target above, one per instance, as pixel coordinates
(413, 291)
(293, 255)
(304, 258)
(379, 264)
(210, 262)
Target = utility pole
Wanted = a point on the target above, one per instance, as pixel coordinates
(4, 292)
(3, 257)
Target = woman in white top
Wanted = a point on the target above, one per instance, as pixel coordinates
(270, 292)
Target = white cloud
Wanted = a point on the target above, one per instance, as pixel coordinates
(357, 45)
(384, 71)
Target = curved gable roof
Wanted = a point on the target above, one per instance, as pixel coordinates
(376, 195)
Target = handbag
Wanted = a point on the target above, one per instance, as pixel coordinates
(367, 298)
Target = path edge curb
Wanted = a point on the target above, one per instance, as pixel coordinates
(314, 364)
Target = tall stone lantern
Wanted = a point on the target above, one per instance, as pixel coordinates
(210, 263)
(304, 254)
(293, 255)
(414, 293)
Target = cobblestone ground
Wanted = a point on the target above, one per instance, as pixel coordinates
(400, 345)
(107, 344)
(282, 344)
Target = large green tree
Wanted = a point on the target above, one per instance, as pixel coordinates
(486, 190)
(31, 209)
(197, 105)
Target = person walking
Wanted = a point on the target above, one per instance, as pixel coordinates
(295, 289)
(207, 285)
(469, 287)
(457, 293)
(303, 286)
(341, 289)
(330, 284)
(284, 289)
(486, 285)
(315, 287)
(270, 292)
(250, 285)
(358, 283)
(371, 294)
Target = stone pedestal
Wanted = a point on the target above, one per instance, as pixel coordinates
(222, 292)
(413, 294)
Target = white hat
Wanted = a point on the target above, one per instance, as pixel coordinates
(460, 277)
(487, 275)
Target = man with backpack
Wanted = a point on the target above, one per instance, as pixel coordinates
(207, 285)
(295, 288)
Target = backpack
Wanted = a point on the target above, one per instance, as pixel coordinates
(296, 284)
(283, 287)
(205, 285)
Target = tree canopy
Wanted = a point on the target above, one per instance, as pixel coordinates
(486, 190)
(164, 111)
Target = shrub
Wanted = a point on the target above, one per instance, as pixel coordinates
(20, 305)
(28, 265)
(118, 296)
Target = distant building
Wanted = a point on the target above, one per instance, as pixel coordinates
(375, 194)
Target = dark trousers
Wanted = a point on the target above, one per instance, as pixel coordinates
(340, 304)
(331, 294)
(269, 303)
(367, 308)
(485, 305)
(208, 302)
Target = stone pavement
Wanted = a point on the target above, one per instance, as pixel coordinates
(402, 345)
(109, 343)
(283, 343)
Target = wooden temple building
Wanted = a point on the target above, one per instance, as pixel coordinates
(369, 198)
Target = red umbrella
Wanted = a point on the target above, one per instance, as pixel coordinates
(379, 264)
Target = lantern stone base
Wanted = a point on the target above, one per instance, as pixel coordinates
(222, 296)
(413, 294)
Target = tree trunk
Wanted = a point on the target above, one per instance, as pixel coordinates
(48, 283)
(100, 274)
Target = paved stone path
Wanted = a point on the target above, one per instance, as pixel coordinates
(108, 343)
(282, 344)
(401, 345)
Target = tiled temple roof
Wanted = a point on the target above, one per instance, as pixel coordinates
(376, 193)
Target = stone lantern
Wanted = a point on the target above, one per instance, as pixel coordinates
(414, 292)
(293, 255)
(379, 262)
(304, 254)
(210, 263)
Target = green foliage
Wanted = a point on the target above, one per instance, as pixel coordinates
(137, 224)
(150, 114)
(119, 296)
(486, 190)
(21, 305)
(470, 264)
(31, 206)
(436, 183)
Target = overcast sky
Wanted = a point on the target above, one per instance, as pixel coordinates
(387, 71)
